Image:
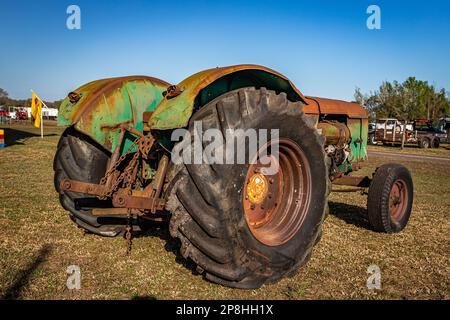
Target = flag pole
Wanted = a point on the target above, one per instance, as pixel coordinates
(42, 119)
(42, 124)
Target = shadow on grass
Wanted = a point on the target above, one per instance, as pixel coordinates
(144, 298)
(350, 214)
(161, 230)
(14, 136)
(23, 276)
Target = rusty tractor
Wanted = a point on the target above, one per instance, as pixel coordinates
(241, 224)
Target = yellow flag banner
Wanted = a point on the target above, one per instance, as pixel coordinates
(36, 109)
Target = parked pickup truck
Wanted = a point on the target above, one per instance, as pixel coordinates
(429, 135)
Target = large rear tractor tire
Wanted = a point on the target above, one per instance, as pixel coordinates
(80, 158)
(241, 224)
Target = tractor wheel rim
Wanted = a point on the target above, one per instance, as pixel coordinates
(275, 205)
(398, 200)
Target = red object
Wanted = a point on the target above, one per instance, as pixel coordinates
(21, 115)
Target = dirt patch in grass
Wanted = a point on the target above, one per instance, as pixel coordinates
(38, 242)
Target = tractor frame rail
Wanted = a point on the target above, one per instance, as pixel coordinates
(359, 184)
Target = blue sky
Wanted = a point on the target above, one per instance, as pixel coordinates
(324, 47)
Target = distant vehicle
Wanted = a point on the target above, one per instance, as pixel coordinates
(444, 125)
(4, 114)
(389, 131)
(371, 133)
(21, 115)
(428, 135)
(421, 132)
(391, 123)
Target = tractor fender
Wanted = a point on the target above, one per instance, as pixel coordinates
(98, 108)
(179, 103)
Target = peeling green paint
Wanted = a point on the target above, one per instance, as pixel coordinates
(107, 103)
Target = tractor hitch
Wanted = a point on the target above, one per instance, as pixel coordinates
(125, 200)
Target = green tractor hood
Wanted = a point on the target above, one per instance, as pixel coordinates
(99, 107)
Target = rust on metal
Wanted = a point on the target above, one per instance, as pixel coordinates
(334, 107)
(82, 187)
(73, 97)
(158, 182)
(275, 205)
(96, 90)
(362, 182)
(336, 133)
(121, 199)
(362, 190)
(145, 117)
(125, 211)
(116, 154)
(126, 197)
(172, 91)
(398, 200)
(101, 105)
(116, 211)
(176, 109)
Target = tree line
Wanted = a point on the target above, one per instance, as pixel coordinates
(412, 99)
(6, 101)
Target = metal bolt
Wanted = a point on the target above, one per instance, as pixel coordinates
(67, 185)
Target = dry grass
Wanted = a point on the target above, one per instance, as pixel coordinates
(443, 151)
(38, 242)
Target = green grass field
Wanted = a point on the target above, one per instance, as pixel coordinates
(38, 242)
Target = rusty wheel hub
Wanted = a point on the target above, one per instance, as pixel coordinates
(276, 201)
(398, 200)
